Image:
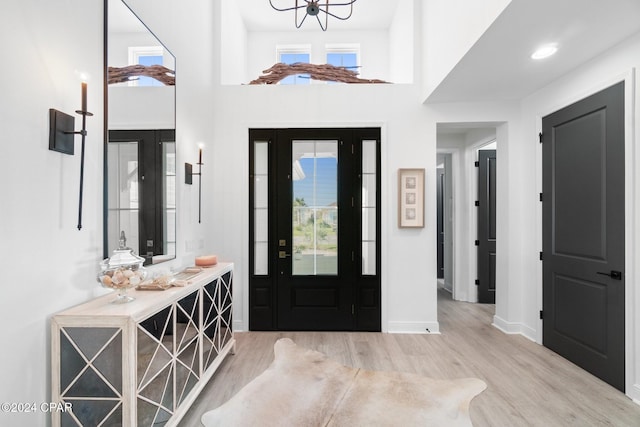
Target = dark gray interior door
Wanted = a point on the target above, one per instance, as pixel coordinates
(487, 226)
(583, 234)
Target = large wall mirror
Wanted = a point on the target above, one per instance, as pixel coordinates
(140, 147)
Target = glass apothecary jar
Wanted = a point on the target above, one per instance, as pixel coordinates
(122, 271)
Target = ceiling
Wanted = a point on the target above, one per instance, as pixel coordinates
(258, 15)
(499, 67)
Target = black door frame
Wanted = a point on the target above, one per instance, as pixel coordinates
(263, 291)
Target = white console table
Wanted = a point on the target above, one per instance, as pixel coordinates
(141, 363)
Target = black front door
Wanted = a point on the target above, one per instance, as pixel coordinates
(487, 226)
(315, 230)
(583, 234)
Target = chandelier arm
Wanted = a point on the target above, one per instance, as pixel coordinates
(326, 10)
(339, 4)
(324, 27)
(289, 8)
(301, 22)
(335, 16)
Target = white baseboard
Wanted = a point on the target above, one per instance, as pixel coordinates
(238, 326)
(514, 328)
(634, 393)
(413, 327)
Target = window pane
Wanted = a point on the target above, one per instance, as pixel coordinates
(369, 156)
(343, 59)
(348, 60)
(368, 224)
(149, 60)
(315, 207)
(368, 190)
(292, 58)
(368, 258)
(261, 254)
(261, 218)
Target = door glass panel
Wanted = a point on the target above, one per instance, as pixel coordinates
(315, 208)
(169, 211)
(260, 207)
(124, 207)
(369, 196)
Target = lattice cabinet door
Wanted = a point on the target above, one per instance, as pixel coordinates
(217, 318)
(226, 309)
(167, 365)
(90, 373)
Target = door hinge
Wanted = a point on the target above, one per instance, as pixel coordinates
(541, 256)
(476, 164)
(352, 149)
(477, 282)
(541, 314)
(477, 203)
(353, 309)
(353, 256)
(541, 136)
(477, 242)
(353, 203)
(540, 196)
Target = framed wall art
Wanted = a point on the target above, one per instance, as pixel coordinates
(411, 198)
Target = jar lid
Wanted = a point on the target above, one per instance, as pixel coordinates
(123, 256)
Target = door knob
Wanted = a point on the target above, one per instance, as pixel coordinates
(615, 275)
(283, 254)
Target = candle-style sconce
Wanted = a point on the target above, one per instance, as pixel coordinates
(188, 179)
(61, 138)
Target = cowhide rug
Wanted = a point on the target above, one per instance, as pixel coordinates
(304, 388)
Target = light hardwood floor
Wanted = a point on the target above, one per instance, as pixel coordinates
(528, 385)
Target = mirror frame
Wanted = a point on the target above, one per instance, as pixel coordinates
(105, 82)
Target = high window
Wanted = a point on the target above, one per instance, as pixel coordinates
(146, 55)
(291, 55)
(344, 55)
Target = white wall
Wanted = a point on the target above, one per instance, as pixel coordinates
(147, 107)
(450, 29)
(47, 264)
(233, 49)
(401, 43)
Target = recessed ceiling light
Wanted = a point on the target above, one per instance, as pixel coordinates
(545, 51)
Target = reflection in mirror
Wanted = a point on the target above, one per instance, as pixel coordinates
(140, 178)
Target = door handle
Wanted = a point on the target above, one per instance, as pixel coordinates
(283, 254)
(615, 275)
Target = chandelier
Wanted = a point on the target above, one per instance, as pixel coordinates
(317, 8)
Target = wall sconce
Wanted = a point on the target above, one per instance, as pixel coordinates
(61, 136)
(188, 179)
